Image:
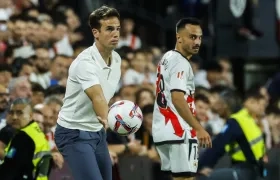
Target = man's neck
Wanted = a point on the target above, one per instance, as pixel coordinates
(180, 49)
(104, 52)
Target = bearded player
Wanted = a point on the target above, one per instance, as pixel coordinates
(176, 132)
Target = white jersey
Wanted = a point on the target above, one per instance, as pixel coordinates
(86, 70)
(174, 74)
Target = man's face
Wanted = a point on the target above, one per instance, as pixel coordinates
(214, 77)
(42, 62)
(190, 38)
(19, 115)
(257, 106)
(139, 63)
(23, 89)
(128, 93)
(145, 98)
(26, 70)
(109, 33)
(128, 26)
(5, 77)
(60, 67)
(48, 117)
(202, 109)
(4, 99)
(38, 97)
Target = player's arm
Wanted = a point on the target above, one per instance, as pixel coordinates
(183, 109)
(87, 77)
(178, 75)
(21, 151)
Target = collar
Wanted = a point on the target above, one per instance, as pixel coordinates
(99, 59)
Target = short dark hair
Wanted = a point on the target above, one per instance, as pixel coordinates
(202, 97)
(253, 95)
(184, 21)
(101, 13)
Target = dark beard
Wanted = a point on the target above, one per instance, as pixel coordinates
(42, 70)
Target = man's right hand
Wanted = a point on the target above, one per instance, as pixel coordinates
(104, 122)
(204, 138)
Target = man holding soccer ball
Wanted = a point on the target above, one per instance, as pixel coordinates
(175, 130)
(93, 79)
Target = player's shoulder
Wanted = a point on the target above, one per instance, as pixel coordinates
(175, 58)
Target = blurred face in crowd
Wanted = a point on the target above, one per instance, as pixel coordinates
(42, 62)
(128, 93)
(55, 107)
(109, 32)
(256, 106)
(26, 70)
(148, 120)
(189, 39)
(60, 31)
(202, 108)
(60, 67)
(5, 77)
(114, 99)
(38, 97)
(124, 66)
(32, 31)
(39, 118)
(20, 29)
(46, 31)
(146, 97)
(73, 21)
(139, 63)
(48, 117)
(33, 13)
(214, 77)
(4, 98)
(128, 26)
(22, 89)
(19, 115)
(218, 105)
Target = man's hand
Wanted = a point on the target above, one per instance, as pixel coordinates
(114, 157)
(205, 171)
(104, 122)
(58, 159)
(204, 138)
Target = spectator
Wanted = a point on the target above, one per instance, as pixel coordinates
(127, 37)
(20, 88)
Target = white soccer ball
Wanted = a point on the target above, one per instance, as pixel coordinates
(125, 117)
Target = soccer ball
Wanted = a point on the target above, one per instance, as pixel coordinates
(125, 117)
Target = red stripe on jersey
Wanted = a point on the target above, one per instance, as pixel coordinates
(171, 116)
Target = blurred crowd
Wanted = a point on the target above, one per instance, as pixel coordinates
(37, 48)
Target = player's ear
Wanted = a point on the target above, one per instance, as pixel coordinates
(95, 33)
(178, 38)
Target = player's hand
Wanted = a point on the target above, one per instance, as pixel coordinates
(204, 138)
(104, 122)
(205, 171)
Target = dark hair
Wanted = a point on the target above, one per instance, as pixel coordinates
(254, 95)
(36, 87)
(140, 91)
(101, 13)
(213, 66)
(202, 97)
(184, 21)
(149, 108)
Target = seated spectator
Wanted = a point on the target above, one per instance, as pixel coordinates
(209, 76)
(127, 37)
(20, 87)
(4, 104)
(38, 94)
(144, 97)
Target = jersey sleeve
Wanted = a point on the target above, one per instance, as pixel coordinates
(178, 75)
(86, 74)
